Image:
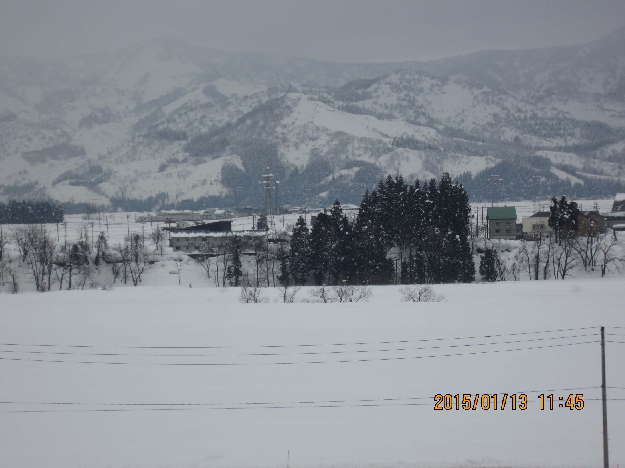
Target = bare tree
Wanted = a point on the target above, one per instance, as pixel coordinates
(287, 293)
(321, 294)
(350, 293)
(608, 248)
(587, 248)
(205, 258)
(135, 258)
(140, 259)
(501, 268)
(523, 258)
(101, 246)
(4, 242)
(251, 294)
(9, 274)
(157, 237)
(179, 260)
(419, 293)
(565, 257)
(38, 250)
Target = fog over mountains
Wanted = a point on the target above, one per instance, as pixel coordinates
(181, 122)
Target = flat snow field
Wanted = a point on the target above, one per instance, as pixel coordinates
(190, 377)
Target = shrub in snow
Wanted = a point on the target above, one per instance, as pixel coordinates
(320, 294)
(287, 293)
(420, 293)
(576, 288)
(251, 294)
(9, 274)
(340, 293)
(349, 293)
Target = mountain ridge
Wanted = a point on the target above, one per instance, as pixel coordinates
(169, 116)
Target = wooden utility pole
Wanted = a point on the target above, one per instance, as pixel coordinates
(606, 462)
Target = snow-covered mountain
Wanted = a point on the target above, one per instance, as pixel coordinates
(188, 122)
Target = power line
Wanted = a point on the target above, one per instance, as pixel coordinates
(298, 345)
(309, 403)
(287, 363)
(309, 353)
(247, 408)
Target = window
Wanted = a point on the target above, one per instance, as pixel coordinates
(507, 223)
(508, 231)
(497, 231)
(497, 223)
(177, 248)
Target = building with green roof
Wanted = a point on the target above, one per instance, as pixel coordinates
(501, 222)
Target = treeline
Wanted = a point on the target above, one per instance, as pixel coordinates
(519, 179)
(30, 212)
(402, 233)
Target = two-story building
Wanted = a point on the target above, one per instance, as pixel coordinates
(537, 225)
(501, 222)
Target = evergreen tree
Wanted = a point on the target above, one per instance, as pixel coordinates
(234, 271)
(339, 242)
(367, 262)
(563, 218)
(261, 224)
(282, 255)
(299, 257)
(320, 241)
(488, 262)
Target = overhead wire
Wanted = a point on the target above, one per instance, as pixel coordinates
(285, 363)
(379, 403)
(307, 353)
(297, 345)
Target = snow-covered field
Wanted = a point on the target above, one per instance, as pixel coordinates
(163, 375)
(359, 395)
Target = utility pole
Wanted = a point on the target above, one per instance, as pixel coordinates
(536, 193)
(267, 185)
(606, 462)
(277, 186)
(495, 181)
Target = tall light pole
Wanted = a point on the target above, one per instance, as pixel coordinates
(495, 181)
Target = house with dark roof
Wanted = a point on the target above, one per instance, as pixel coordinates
(501, 222)
(590, 223)
(537, 225)
(619, 203)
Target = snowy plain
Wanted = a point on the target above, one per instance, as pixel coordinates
(245, 410)
(163, 375)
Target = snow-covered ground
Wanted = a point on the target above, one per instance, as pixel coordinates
(165, 375)
(229, 404)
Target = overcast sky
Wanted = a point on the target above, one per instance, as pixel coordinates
(341, 30)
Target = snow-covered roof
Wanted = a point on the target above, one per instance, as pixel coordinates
(217, 234)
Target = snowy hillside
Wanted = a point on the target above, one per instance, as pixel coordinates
(189, 122)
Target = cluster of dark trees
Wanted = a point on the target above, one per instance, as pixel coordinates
(563, 217)
(30, 212)
(517, 180)
(402, 233)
